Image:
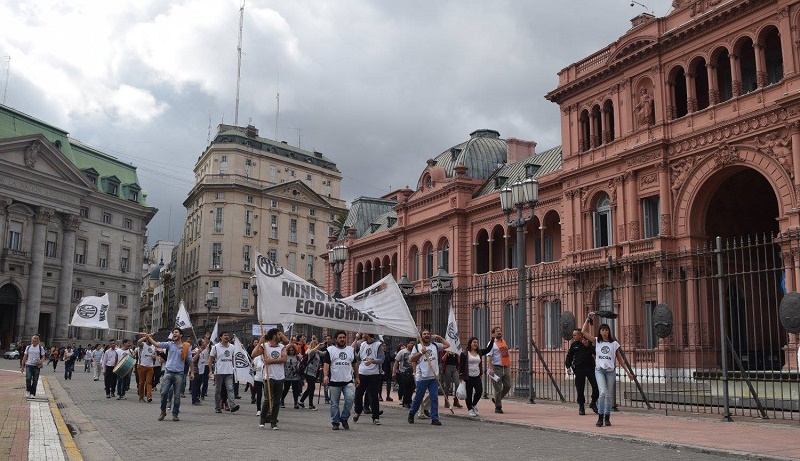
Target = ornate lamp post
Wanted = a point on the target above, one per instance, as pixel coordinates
(337, 257)
(209, 298)
(407, 288)
(254, 287)
(517, 196)
(441, 286)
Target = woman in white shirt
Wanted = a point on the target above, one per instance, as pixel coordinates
(470, 371)
(607, 355)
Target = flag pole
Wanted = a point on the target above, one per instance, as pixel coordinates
(266, 367)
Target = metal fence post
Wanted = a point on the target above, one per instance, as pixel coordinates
(726, 415)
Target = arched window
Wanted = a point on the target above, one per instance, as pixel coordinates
(773, 56)
(429, 262)
(597, 127)
(584, 134)
(700, 83)
(552, 324)
(608, 121)
(680, 94)
(747, 65)
(605, 303)
(444, 256)
(722, 62)
(414, 264)
(602, 222)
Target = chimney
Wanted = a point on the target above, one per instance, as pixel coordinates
(518, 149)
(251, 131)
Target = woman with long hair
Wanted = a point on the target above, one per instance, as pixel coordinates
(310, 373)
(607, 356)
(470, 370)
(292, 379)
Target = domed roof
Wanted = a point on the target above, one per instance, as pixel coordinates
(483, 153)
(155, 273)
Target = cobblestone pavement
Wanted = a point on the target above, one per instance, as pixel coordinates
(128, 430)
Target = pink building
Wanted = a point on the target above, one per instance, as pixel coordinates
(685, 129)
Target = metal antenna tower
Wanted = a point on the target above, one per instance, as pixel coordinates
(299, 136)
(208, 139)
(278, 107)
(5, 86)
(239, 66)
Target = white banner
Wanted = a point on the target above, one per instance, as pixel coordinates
(241, 362)
(286, 298)
(92, 312)
(215, 333)
(182, 319)
(452, 332)
(257, 329)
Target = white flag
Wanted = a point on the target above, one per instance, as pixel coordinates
(286, 298)
(182, 319)
(92, 312)
(215, 333)
(452, 331)
(241, 362)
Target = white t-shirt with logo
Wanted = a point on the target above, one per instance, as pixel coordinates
(605, 355)
(223, 358)
(423, 365)
(366, 352)
(341, 363)
(147, 356)
(276, 370)
(258, 368)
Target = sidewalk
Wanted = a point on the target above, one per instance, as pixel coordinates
(746, 437)
(51, 438)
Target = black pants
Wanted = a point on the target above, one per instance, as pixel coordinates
(258, 393)
(294, 386)
(311, 382)
(156, 376)
(406, 385)
(371, 385)
(110, 380)
(581, 375)
(474, 391)
(269, 411)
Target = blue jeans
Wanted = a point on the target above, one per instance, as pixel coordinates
(31, 378)
(433, 390)
(349, 394)
(171, 381)
(605, 384)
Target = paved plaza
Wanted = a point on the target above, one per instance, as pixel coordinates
(107, 429)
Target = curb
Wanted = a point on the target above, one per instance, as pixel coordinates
(625, 438)
(70, 448)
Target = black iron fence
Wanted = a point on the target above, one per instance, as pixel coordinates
(727, 351)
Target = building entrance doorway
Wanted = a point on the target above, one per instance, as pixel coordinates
(9, 303)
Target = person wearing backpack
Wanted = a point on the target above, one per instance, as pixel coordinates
(32, 360)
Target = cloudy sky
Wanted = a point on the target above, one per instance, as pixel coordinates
(378, 86)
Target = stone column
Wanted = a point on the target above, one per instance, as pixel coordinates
(71, 224)
(713, 84)
(665, 198)
(671, 100)
(795, 130)
(491, 258)
(736, 74)
(34, 299)
(761, 65)
(570, 227)
(631, 207)
(691, 93)
(593, 136)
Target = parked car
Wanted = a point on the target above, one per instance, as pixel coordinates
(11, 355)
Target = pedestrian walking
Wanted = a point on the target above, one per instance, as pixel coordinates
(97, 361)
(470, 372)
(607, 355)
(340, 372)
(54, 357)
(87, 358)
(221, 361)
(580, 362)
(259, 375)
(272, 348)
(291, 376)
(386, 371)
(425, 355)
(32, 361)
(499, 367)
(450, 363)
(124, 382)
(110, 359)
(200, 364)
(69, 362)
(147, 361)
(311, 371)
(403, 373)
(370, 355)
(178, 358)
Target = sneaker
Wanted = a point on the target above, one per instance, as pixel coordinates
(273, 426)
(422, 416)
(327, 401)
(335, 426)
(237, 397)
(218, 410)
(175, 417)
(376, 422)
(389, 399)
(261, 426)
(296, 406)
(345, 425)
(498, 410)
(301, 404)
(411, 418)
(435, 422)
(141, 399)
(312, 408)
(355, 418)
(380, 412)
(27, 395)
(162, 416)
(258, 413)
(283, 406)
(457, 405)
(426, 413)
(108, 396)
(472, 413)
(477, 413)
(196, 402)
(234, 408)
(447, 404)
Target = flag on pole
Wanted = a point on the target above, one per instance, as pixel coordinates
(92, 312)
(215, 333)
(285, 298)
(288, 331)
(182, 319)
(452, 331)
(241, 362)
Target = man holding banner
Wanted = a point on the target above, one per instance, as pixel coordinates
(425, 356)
(273, 351)
(178, 358)
(341, 372)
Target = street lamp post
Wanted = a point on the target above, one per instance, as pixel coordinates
(407, 289)
(441, 285)
(520, 193)
(209, 295)
(337, 257)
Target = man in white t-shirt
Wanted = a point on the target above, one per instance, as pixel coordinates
(425, 356)
(32, 361)
(369, 372)
(147, 360)
(124, 383)
(221, 359)
(272, 348)
(341, 371)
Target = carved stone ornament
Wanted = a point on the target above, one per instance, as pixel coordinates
(680, 171)
(43, 215)
(726, 155)
(32, 153)
(72, 222)
(777, 145)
